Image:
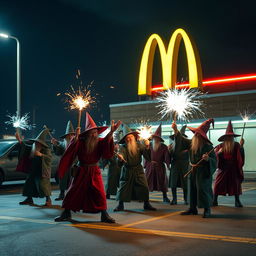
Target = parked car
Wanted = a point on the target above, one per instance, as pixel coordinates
(9, 151)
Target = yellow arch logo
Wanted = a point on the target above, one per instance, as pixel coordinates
(169, 60)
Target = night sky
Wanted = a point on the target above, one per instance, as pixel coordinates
(105, 40)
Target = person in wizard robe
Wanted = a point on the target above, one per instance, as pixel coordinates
(37, 160)
(179, 166)
(113, 175)
(59, 148)
(200, 180)
(133, 183)
(230, 156)
(86, 191)
(155, 169)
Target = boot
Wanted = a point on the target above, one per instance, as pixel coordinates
(185, 197)
(190, 211)
(65, 216)
(106, 218)
(48, 202)
(28, 201)
(148, 206)
(174, 196)
(120, 207)
(61, 196)
(237, 201)
(215, 200)
(207, 213)
(165, 198)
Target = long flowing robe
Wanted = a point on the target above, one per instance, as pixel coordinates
(179, 165)
(200, 181)
(155, 169)
(230, 171)
(133, 183)
(113, 176)
(86, 191)
(59, 150)
(39, 171)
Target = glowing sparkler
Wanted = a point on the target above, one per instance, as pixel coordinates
(145, 132)
(245, 116)
(181, 104)
(19, 122)
(79, 99)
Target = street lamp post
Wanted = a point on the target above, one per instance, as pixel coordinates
(18, 72)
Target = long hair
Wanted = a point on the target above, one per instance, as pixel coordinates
(132, 146)
(196, 144)
(228, 146)
(91, 143)
(156, 144)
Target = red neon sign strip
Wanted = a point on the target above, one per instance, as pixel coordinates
(215, 81)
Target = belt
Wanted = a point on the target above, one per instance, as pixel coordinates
(155, 162)
(87, 165)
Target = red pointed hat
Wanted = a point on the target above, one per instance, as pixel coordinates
(90, 125)
(203, 128)
(229, 132)
(158, 133)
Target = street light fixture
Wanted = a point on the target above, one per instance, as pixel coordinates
(18, 71)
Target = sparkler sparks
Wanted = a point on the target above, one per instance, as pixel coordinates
(145, 132)
(182, 104)
(80, 99)
(19, 122)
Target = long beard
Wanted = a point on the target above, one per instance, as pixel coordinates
(91, 144)
(156, 145)
(66, 143)
(228, 147)
(132, 147)
(196, 144)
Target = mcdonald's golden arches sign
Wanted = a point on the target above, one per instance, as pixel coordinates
(169, 61)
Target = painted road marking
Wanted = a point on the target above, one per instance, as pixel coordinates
(234, 239)
(151, 219)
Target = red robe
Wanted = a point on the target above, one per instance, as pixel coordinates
(230, 172)
(86, 191)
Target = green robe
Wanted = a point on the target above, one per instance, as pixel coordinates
(59, 150)
(133, 183)
(113, 176)
(200, 181)
(38, 180)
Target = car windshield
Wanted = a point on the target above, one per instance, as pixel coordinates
(5, 145)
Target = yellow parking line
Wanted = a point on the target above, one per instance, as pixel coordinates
(151, 219)
(234, 239)
(125, 228)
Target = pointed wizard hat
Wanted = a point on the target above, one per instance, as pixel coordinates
(158, 133)
(90, 125)
(229, 132)
(203, 129)
(127, 131)
(69, 130)
(182, 131)
(41, 138)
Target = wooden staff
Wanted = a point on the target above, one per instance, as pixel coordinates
(50, 134)
(79, 118)
(174, 116)
(200, 161)
(243, 130)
